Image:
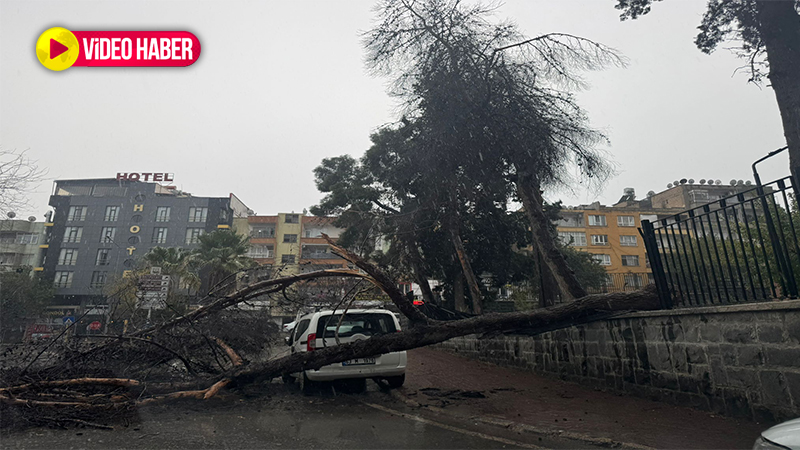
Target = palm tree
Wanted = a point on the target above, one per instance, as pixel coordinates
(222, 253)
(175, 262)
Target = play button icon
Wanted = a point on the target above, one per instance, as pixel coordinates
(56, 48)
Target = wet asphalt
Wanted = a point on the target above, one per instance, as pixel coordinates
(281, 417)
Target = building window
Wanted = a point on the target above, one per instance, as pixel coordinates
(103, 257)
(630, 260)
(289, 238)
(262, 231)
(603, 260)
(633, 280)
(112, 213)
(193, 235)
(198, 214)
(98, 279)
(76, 213)
(159, 235)
(67, 257)
(224, 214)
(292, 218)
(260, 251)
(597, 220)
(63, 279)
(626, 221)
(599, 239)
(27, 239)
(287, 259)
(627, 241)
(572, 238)
(162, 214)
(107, 234)
(73, 234)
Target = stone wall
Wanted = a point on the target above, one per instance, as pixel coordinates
(741, 360)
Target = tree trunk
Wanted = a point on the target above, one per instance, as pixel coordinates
(458, 294)
(466, 267)
(548, 288)
(553, 260)
(780, 31)
(419, 273)
(556, 316)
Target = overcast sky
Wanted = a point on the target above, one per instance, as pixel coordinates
(280, 85)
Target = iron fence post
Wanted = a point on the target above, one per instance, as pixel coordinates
(659, 277)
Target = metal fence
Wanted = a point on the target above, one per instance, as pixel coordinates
(622, 282)
(738, 249)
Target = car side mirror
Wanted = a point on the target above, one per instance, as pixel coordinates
(288, 340)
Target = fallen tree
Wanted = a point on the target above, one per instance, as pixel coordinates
(111, 393)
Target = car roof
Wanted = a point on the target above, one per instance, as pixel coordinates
(349, 311)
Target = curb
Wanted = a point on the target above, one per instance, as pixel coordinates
(516, 426)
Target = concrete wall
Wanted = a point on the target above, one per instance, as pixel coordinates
(741, 360)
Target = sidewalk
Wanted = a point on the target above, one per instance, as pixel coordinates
(457, 385)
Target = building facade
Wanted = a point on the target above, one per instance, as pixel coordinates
(100, 228)
(20, 243)
(293, 242)
(611, 233)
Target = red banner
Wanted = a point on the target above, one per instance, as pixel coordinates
(137, 48)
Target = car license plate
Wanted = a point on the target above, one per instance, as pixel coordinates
(359, 362)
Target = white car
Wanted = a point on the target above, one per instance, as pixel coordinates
(783, 436)
(318, 330)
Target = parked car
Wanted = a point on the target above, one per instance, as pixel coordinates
(783, 436)
(318, 330)
(288, 327)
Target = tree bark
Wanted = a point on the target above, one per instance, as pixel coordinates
(780, 31)
(553, 260)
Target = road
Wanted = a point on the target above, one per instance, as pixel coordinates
(280, 417)
(447, 402)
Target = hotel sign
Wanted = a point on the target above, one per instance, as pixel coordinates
(145, 176)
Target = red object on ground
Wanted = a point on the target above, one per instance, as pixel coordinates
(94, 326)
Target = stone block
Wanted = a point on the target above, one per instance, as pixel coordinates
(770, 333)
(679, 362)
(659, 357)
(774, 388)
(792, 380)
(696, 354)
(793, 328)
(742, 378)
(689, 384)
(739, 333)
(750, 355)
(728, 353)
(652, 333)
(711, 332)
(664, 380)
(783, 357)
(642, 376)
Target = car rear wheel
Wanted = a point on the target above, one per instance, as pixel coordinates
(397, 381)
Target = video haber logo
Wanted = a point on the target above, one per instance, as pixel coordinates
(59, 48)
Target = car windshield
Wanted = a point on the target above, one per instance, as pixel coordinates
(369, 324)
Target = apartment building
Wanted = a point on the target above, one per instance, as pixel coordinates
(293, 242)
(20, 243)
